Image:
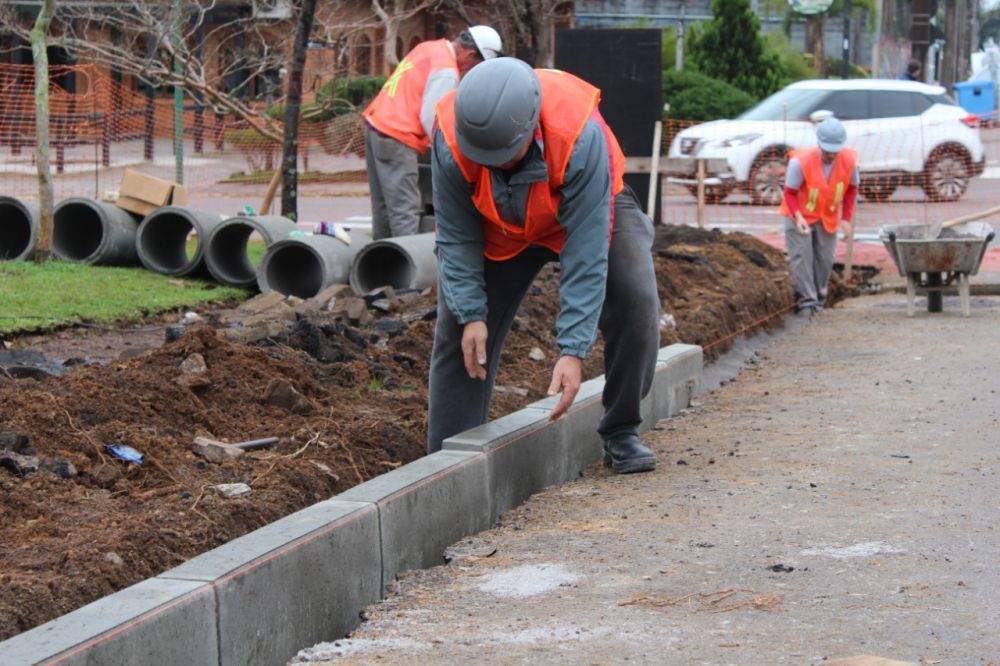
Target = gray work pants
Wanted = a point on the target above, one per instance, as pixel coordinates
(629, 323)
(810, 261)
(392, 181)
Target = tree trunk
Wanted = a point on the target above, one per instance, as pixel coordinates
(293, 103)
(814, 41)
(39, 34)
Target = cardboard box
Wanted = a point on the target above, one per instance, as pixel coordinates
(142, 194)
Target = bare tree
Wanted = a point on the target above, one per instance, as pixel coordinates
(39, 44)
(220, 59)
(392, 14)
(290, 147)
(526, 25)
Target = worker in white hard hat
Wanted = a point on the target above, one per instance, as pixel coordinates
(398, 123)
(821, 187)
(527, 172)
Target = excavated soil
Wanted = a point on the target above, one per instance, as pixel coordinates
(345, 397)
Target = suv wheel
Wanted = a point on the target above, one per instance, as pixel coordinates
(767, 178)
(946, 175)
(877, 192)
(713, 193)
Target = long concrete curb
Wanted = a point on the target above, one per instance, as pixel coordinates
(303, 579)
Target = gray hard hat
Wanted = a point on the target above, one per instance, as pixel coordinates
(831, 135)
(496, 110)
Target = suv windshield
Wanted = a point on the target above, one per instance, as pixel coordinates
(787, 104)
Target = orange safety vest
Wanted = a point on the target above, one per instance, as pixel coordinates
(567, 104)
(819, 198)
(395, 111)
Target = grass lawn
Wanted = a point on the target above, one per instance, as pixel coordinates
(35, 297)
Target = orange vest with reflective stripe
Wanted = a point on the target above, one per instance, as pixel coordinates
(819, 198)
(395, 111)
(567, 104)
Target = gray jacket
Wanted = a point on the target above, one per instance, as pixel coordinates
(584, 214)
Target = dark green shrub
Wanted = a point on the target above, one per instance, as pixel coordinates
(694, 96)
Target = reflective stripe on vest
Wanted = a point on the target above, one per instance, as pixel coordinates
(395, 111)
(567, 104)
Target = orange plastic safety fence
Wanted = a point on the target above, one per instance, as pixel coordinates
(913, 170)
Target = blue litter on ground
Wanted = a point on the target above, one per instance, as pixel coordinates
(124, 452)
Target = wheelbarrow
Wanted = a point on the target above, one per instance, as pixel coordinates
(932, 258)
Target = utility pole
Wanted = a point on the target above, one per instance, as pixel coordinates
(679, 53)
(846, 72)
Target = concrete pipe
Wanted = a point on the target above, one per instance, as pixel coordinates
(85, 231)
(404, 262)
(226, 247)
(18, 229)
(304, 266)
(162, 240)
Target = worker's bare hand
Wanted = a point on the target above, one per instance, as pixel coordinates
(474, 349)
(801, 224)
(566, 377)
(846, 227)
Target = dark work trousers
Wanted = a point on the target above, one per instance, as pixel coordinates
(392, 183)
(629, 323)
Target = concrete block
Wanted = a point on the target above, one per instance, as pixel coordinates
(155, 622)
(298, 581)
(582, 444)
(524, 453)
(425, 506)
(677, 379)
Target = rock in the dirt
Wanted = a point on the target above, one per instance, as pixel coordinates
(536, 354)
(174, 332)
(231, 490)
(393, 327)
(15, 441)
(17, 463)
(194, 372)
(251, 334)
(386, 293)
(516, 390)
(281, 393)
(262, 302)
(114, 558)
(356, 311)
(324, 300)
(63, 468)
(215, 451)
(356, 338)
(280, 312)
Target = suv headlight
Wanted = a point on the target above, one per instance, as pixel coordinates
(741, 140)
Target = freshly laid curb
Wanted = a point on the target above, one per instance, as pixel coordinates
(304, 578)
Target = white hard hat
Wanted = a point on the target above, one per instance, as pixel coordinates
(487, 41)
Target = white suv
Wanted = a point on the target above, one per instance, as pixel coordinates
(906, 133)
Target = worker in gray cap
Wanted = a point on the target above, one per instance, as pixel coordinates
(398, 123)
(526, 172)
(821, 187)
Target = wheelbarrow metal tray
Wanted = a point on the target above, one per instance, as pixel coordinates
(959, 249)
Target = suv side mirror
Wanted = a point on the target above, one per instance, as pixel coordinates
(820, 115)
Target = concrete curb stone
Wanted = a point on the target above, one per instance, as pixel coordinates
(304, 578)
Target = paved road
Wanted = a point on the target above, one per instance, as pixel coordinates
(838, 498)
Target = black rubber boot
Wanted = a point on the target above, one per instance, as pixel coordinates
(625, 454)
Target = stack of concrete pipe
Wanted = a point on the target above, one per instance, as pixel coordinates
(83, 231)
(18, 229)
(93, 232)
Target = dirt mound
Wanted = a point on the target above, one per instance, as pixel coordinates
(345, 397)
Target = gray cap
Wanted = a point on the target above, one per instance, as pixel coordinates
(831, 135)
(496, 110)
